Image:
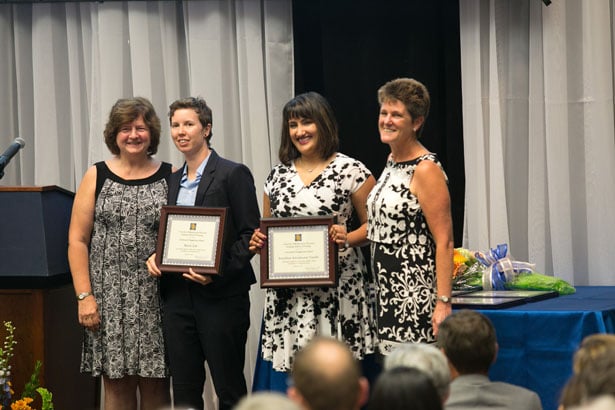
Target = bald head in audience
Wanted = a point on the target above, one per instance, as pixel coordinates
(266, 401)
(326, 376)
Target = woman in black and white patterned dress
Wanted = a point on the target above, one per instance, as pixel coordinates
(314, 179)
(409, 223)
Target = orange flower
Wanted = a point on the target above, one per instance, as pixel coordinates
(459, 261)
(23, 404)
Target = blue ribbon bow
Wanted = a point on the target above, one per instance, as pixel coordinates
(500, 268)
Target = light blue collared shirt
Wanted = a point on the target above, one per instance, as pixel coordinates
(187, 189)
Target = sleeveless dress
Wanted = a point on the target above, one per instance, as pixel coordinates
(293, 316)
(126, 216)
(402, 256)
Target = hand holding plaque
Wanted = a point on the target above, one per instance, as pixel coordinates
(298, 252)
(190, 237)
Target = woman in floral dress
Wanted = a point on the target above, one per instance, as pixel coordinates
(113, 229)
(313, 179)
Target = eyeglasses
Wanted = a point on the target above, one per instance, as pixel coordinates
(128, 130)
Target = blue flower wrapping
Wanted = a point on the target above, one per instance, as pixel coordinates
(501, 269)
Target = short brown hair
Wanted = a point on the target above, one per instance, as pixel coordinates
(410, 92)
(468, 340)
(313, 106)
(199, 105)
(127, 110)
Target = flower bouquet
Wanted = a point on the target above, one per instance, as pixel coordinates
(468, 271)
(32, 386)
(495, 270)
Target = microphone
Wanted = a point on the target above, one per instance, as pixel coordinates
(10, 152)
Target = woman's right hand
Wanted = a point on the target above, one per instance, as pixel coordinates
(88, 313)
(257, 241)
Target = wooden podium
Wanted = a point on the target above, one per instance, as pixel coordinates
(37, 296)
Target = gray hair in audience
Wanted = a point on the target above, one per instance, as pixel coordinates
(266, 401)
(425, 357)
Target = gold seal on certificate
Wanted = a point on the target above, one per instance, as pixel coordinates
(298, 252)
(190, 237)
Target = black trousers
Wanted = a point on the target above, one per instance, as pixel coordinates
(199, 330)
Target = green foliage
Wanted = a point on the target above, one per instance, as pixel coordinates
(31, 387)
(47, 398)
(29, 390)
(538, 281)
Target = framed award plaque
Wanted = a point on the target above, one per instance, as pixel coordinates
(298, 252)
(190, 237)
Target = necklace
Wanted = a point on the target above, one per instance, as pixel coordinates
(309, 170)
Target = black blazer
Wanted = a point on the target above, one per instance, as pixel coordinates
(230, 185)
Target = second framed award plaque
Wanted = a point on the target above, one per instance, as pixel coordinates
(190, 237)
(298, 252)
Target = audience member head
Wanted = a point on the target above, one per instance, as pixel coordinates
(404, 388)
(468, 340)
(326, 376)
(425, 357)
(310, 106)
(591, 347)
(412, 94)
(127, 110)
(266, 401)
(594, 376)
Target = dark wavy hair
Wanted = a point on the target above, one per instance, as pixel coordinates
(314, 106)
(127, 110)
(199, 105)
(412, 93)
(402, 388)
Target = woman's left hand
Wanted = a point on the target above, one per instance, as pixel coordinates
(440, 313)
(197, 277)
(338, 234)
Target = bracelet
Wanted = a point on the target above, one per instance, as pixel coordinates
(346, 244)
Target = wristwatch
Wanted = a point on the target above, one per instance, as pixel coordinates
(444, 299)
(83, 295)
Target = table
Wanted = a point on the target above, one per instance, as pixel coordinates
(536, 341)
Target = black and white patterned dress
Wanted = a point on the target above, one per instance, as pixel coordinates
(293, 316)
(403, 257)
(126, 216)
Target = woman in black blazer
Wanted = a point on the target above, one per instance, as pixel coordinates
(206, 317)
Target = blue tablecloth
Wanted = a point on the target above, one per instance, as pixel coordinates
(536, 341)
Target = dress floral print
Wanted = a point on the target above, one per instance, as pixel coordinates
(129, 341)
(403, 257)
(293, 316)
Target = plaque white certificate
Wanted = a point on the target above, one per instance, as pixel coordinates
(190, 237)
(298, 252)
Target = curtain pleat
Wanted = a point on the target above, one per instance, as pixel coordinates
(539, 133)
